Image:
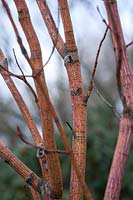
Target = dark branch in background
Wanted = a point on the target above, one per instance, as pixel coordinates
(107, 102)
(20, 135)
(90, 88)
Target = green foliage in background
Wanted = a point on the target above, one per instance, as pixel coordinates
(102, 135)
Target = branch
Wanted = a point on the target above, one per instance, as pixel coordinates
(104, 20)
(129, 44)
(40, 147)
(35, 195)
(79, 111)
(125, 88)
(20, 42)
(90, 87)
(19, 100)
(66, 144)
(50, 24)
(42, 6)
(54, 179)
(23, 108)
(29, 176)
(106, 102)
(24, 78)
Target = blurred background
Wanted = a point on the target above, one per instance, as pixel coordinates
(103, 124)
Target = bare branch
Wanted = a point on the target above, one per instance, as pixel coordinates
(129, 44)
(46, 151)
(90, 87)
(54, 176)
(107, 102)
(20, 42)
(125, 88)
(50, 24)
(79, 111)
(31, 178)
(41, 6)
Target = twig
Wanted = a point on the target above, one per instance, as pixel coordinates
(24, 78)
(129, 44)
(20, 135)
(107, 102)
(51, 26)
(23, 49)
(18, 63)
(73, 132)
(104, 21)
(90, 88)
(19, 100)
(54, 46)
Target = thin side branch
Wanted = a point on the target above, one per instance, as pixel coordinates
(90, 87)
(24, 78)
(129, 44)
(46, 151)
(107, 102)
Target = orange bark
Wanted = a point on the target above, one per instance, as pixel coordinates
(35, 195)
(31, 178)
(54, 179)
(79, 108)
(50, 24)
(78, 173)
(34, 62)
(61, 49)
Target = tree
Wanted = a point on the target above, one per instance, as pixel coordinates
(51, 184)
